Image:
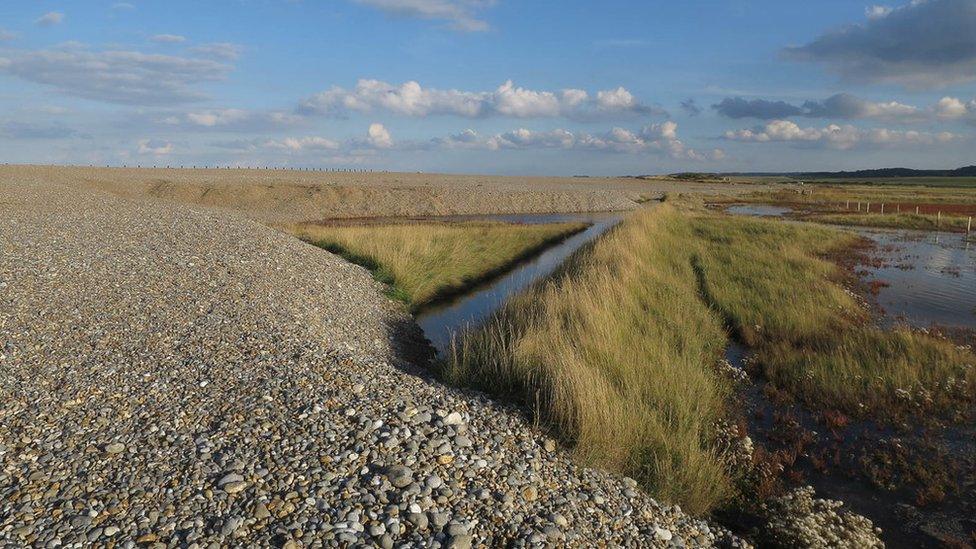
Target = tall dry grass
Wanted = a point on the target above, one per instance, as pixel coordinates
(426, 261)
(616, 354)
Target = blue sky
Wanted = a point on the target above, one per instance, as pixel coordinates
(490, 86)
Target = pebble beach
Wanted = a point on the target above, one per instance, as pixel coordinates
(176, 376)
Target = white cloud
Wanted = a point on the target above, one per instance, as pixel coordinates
(155, 147)
(168, 39)
(951, 108)
(657, 138)
(877, 12)
(411, 99)
(6, 35)
(835, 136)
(618, 99)
(127, 77)
(50, 19)
(123, 6)
(233, 120)
(303, 144)
(224, 51)
(460, 14)
(378, 136)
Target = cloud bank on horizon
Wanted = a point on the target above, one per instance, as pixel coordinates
(490, 85)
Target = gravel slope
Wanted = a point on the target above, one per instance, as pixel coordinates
(296, 196)
(176, 377)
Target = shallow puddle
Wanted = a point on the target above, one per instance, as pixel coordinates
(759, 210)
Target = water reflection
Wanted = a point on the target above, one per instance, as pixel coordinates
(439, 323)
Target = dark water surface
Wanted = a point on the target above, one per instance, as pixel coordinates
(442, 321)
(931, 277)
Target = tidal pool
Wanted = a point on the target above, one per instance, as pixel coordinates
(924, 278)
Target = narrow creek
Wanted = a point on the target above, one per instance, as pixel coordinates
(441, 321)
(925, 280)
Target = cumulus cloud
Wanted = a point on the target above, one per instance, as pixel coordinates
(840, 106)
(303, 144)
(951, 108)
(126, 77)
(656, 138)
(847, 106)
(223, 51)
(737, 107)
(877, 12)
(50, 19)
(836, 136)
(924, 44)
(379, 137)
(155, 147)
(461, 15)
(231, 120)
(167, 39)
(411, 99)
(123, 6)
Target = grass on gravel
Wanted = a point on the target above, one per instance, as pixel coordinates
(615, 353)
(426, 261)
(921, 222)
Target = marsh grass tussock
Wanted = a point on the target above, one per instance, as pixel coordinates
(616, 353)
(426, 261)
(778, 292)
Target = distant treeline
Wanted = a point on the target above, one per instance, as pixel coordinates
(967, 171)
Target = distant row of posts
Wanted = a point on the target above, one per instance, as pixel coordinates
(266, 168)
(938, 215)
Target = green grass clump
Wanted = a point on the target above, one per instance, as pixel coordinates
(921, 222)
(426, 261)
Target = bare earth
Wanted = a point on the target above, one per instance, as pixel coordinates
(295, 196)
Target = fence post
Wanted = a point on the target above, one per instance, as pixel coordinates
(938, 219)
(882, 208)
(969, 226)
(867, 208)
